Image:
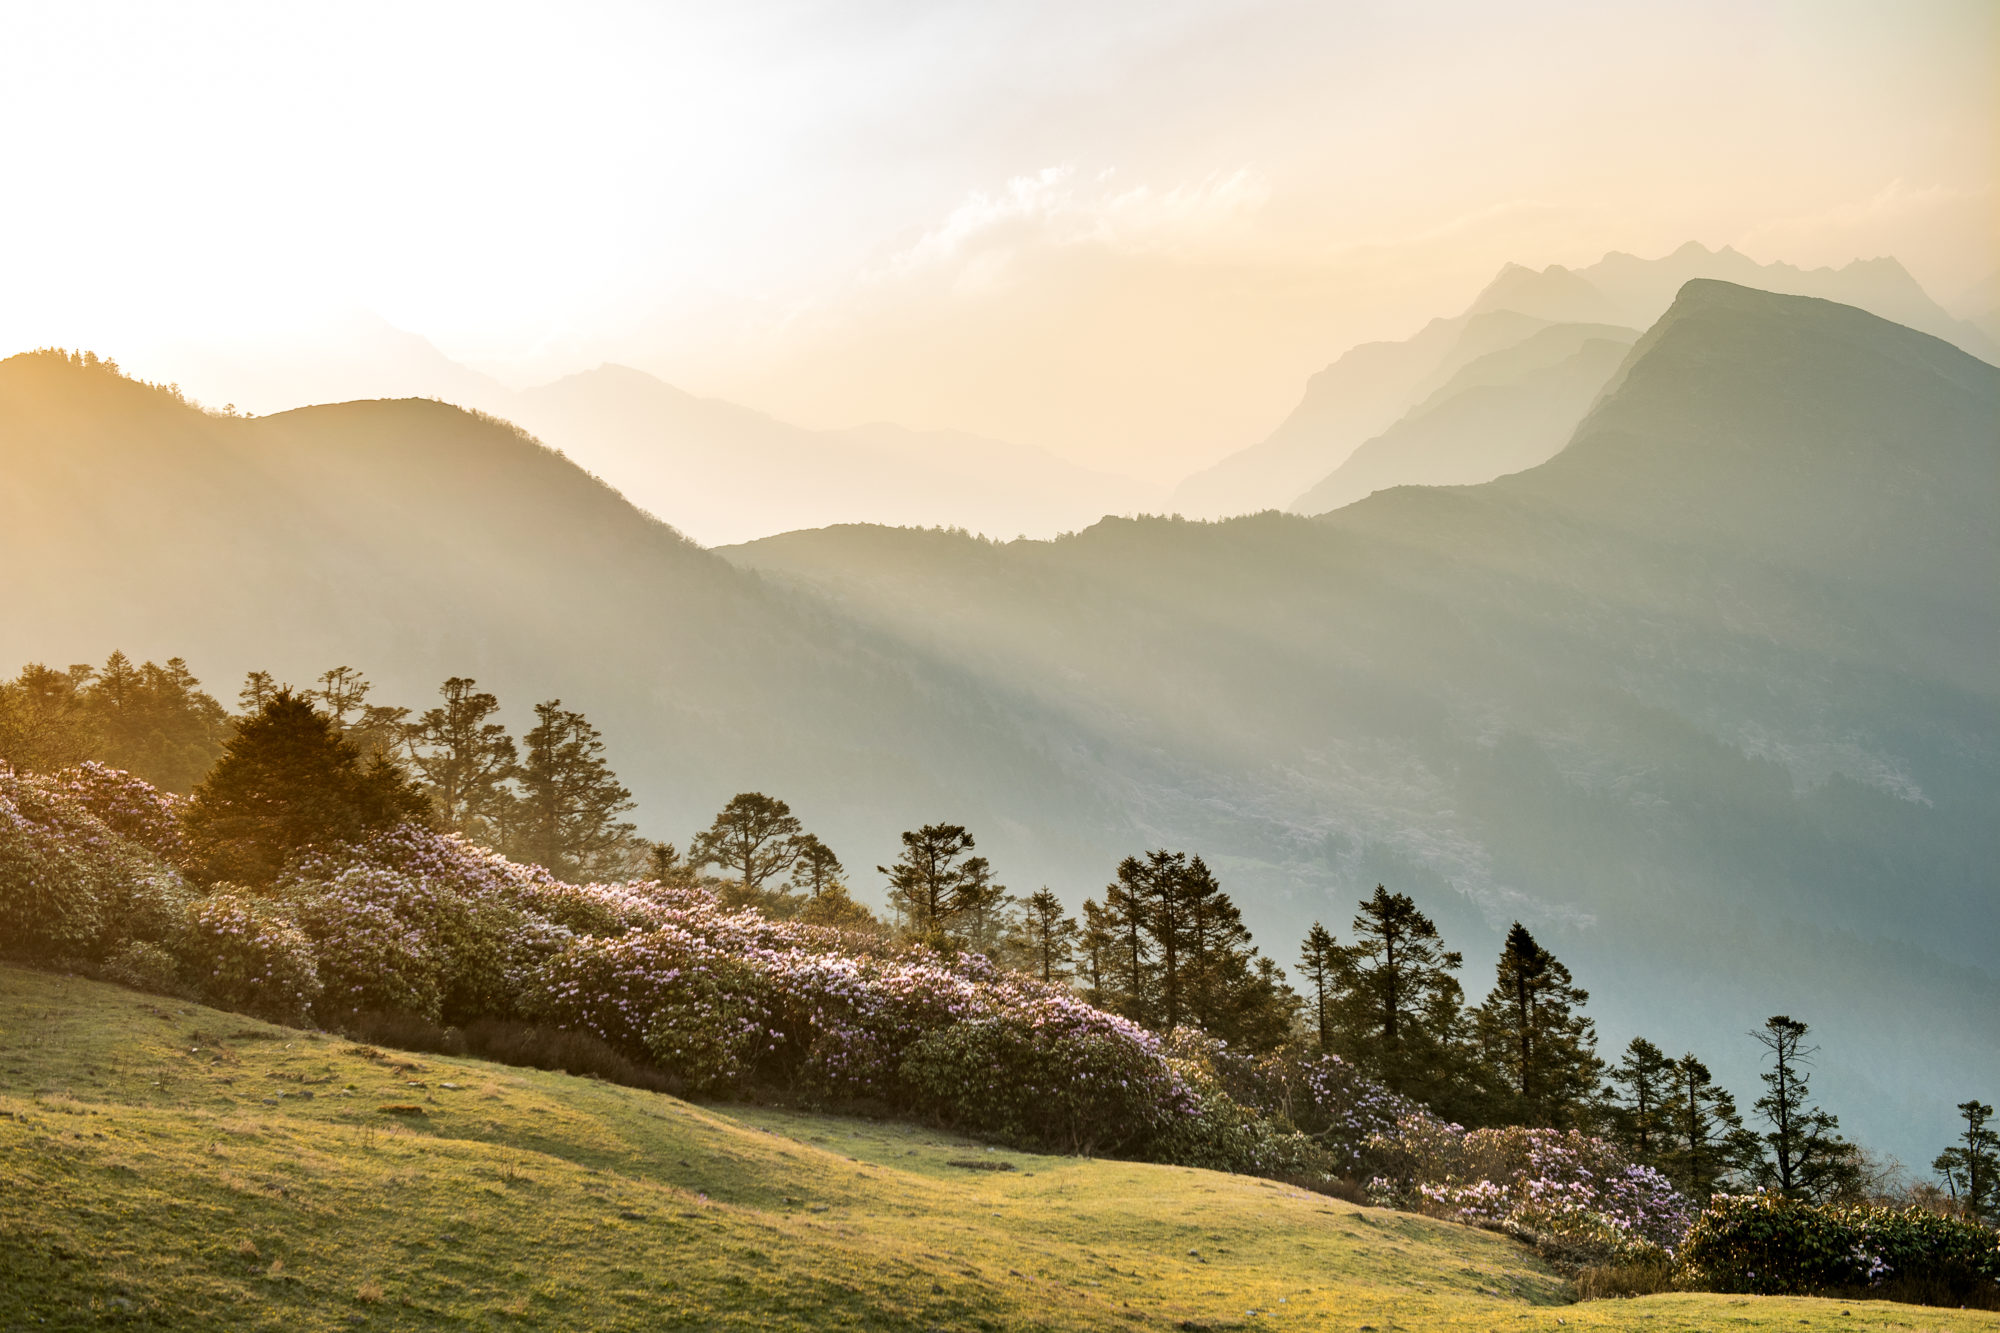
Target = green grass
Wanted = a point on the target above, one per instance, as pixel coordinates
(169, 1166)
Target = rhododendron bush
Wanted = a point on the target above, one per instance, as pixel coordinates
(1767, 1244)
(1573, 1194)
(422, 926)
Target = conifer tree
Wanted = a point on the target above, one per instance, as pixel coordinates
(1640, 1093)
(1319, 964)
(1972, 1172)
(372, 729)
(816, 871)
(755, 838)
(1400, 1010)
(1048, 936)
(286, 781)
(44, 723)
(1707, 1140)
(465, 761)
(1130, 986)
(155, 722)
(935, 881)
(1096, 950)
(1538, 1047)
(566, 819)
(1805, 1157)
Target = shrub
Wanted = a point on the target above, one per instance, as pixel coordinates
(1766, 1244)
(1057, 1084)
(1573, 1196)
(237, 952)
(1320, 1096)
(144, 965)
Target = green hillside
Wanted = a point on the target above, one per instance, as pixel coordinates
(169, 1166)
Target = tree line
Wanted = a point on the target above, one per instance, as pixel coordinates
(1164, 945)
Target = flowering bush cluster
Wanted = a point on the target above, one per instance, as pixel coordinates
(425, 925)
(1572, 1194)
(70, 883)
(255, 958)
(1766, 1244)
(1319, 1096)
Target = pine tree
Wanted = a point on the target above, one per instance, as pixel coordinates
(1156, 887)
(373, 729)
(1972, 1172)
(816, 871)
(755, 839)
(1230, 990)
(155, 722)
(1400, 1010)
(1048, 937)
(1640, 1092)
(1539, 1049)
(1805, 1156)
(566, 819)
(1121, 953)
(286, 781)
(465, 761)
(935, 881)
(1319, 964)
(1096, 950)
(1706, 1139)
(44, 722)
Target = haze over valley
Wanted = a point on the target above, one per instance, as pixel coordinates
(1003, 590)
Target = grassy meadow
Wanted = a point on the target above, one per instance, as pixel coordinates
(165, 1165)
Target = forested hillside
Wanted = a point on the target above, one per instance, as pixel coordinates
(1708, 700)
(1713, 689)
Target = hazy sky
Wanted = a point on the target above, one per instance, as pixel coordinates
(1126, 232)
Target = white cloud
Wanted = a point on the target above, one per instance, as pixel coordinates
(1057, 207)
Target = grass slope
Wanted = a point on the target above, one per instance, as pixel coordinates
(166, 1165)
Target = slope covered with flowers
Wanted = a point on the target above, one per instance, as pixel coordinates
(426, 927)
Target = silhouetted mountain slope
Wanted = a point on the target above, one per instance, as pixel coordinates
(727, 473)
(1509, 410)
(1370, 387)
(1712, 694)
(415, 541)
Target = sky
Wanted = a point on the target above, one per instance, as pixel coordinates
(1125, 233)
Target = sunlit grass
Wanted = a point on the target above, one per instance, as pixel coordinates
(166, 1165)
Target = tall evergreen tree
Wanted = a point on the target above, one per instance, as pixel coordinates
(465, 760)
(567, 817)
(1048, 936)
(44, 722)
(1972, 1171)
(155, 722)
(936, 880)
(286, 781)
(755, 838)
(1640, 1092)
(1400, 1010)
(1097, 951)
(1805, 1157)
(372, 728)
(1319, 964)
(1537, 1046)
(816, 871)
(1706, 1139)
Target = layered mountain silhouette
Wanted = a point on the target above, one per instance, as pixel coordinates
(1375, 386)
(1710, 697)
(1505, 411)
(717, 471)
(1712, 694)
(724, 473)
